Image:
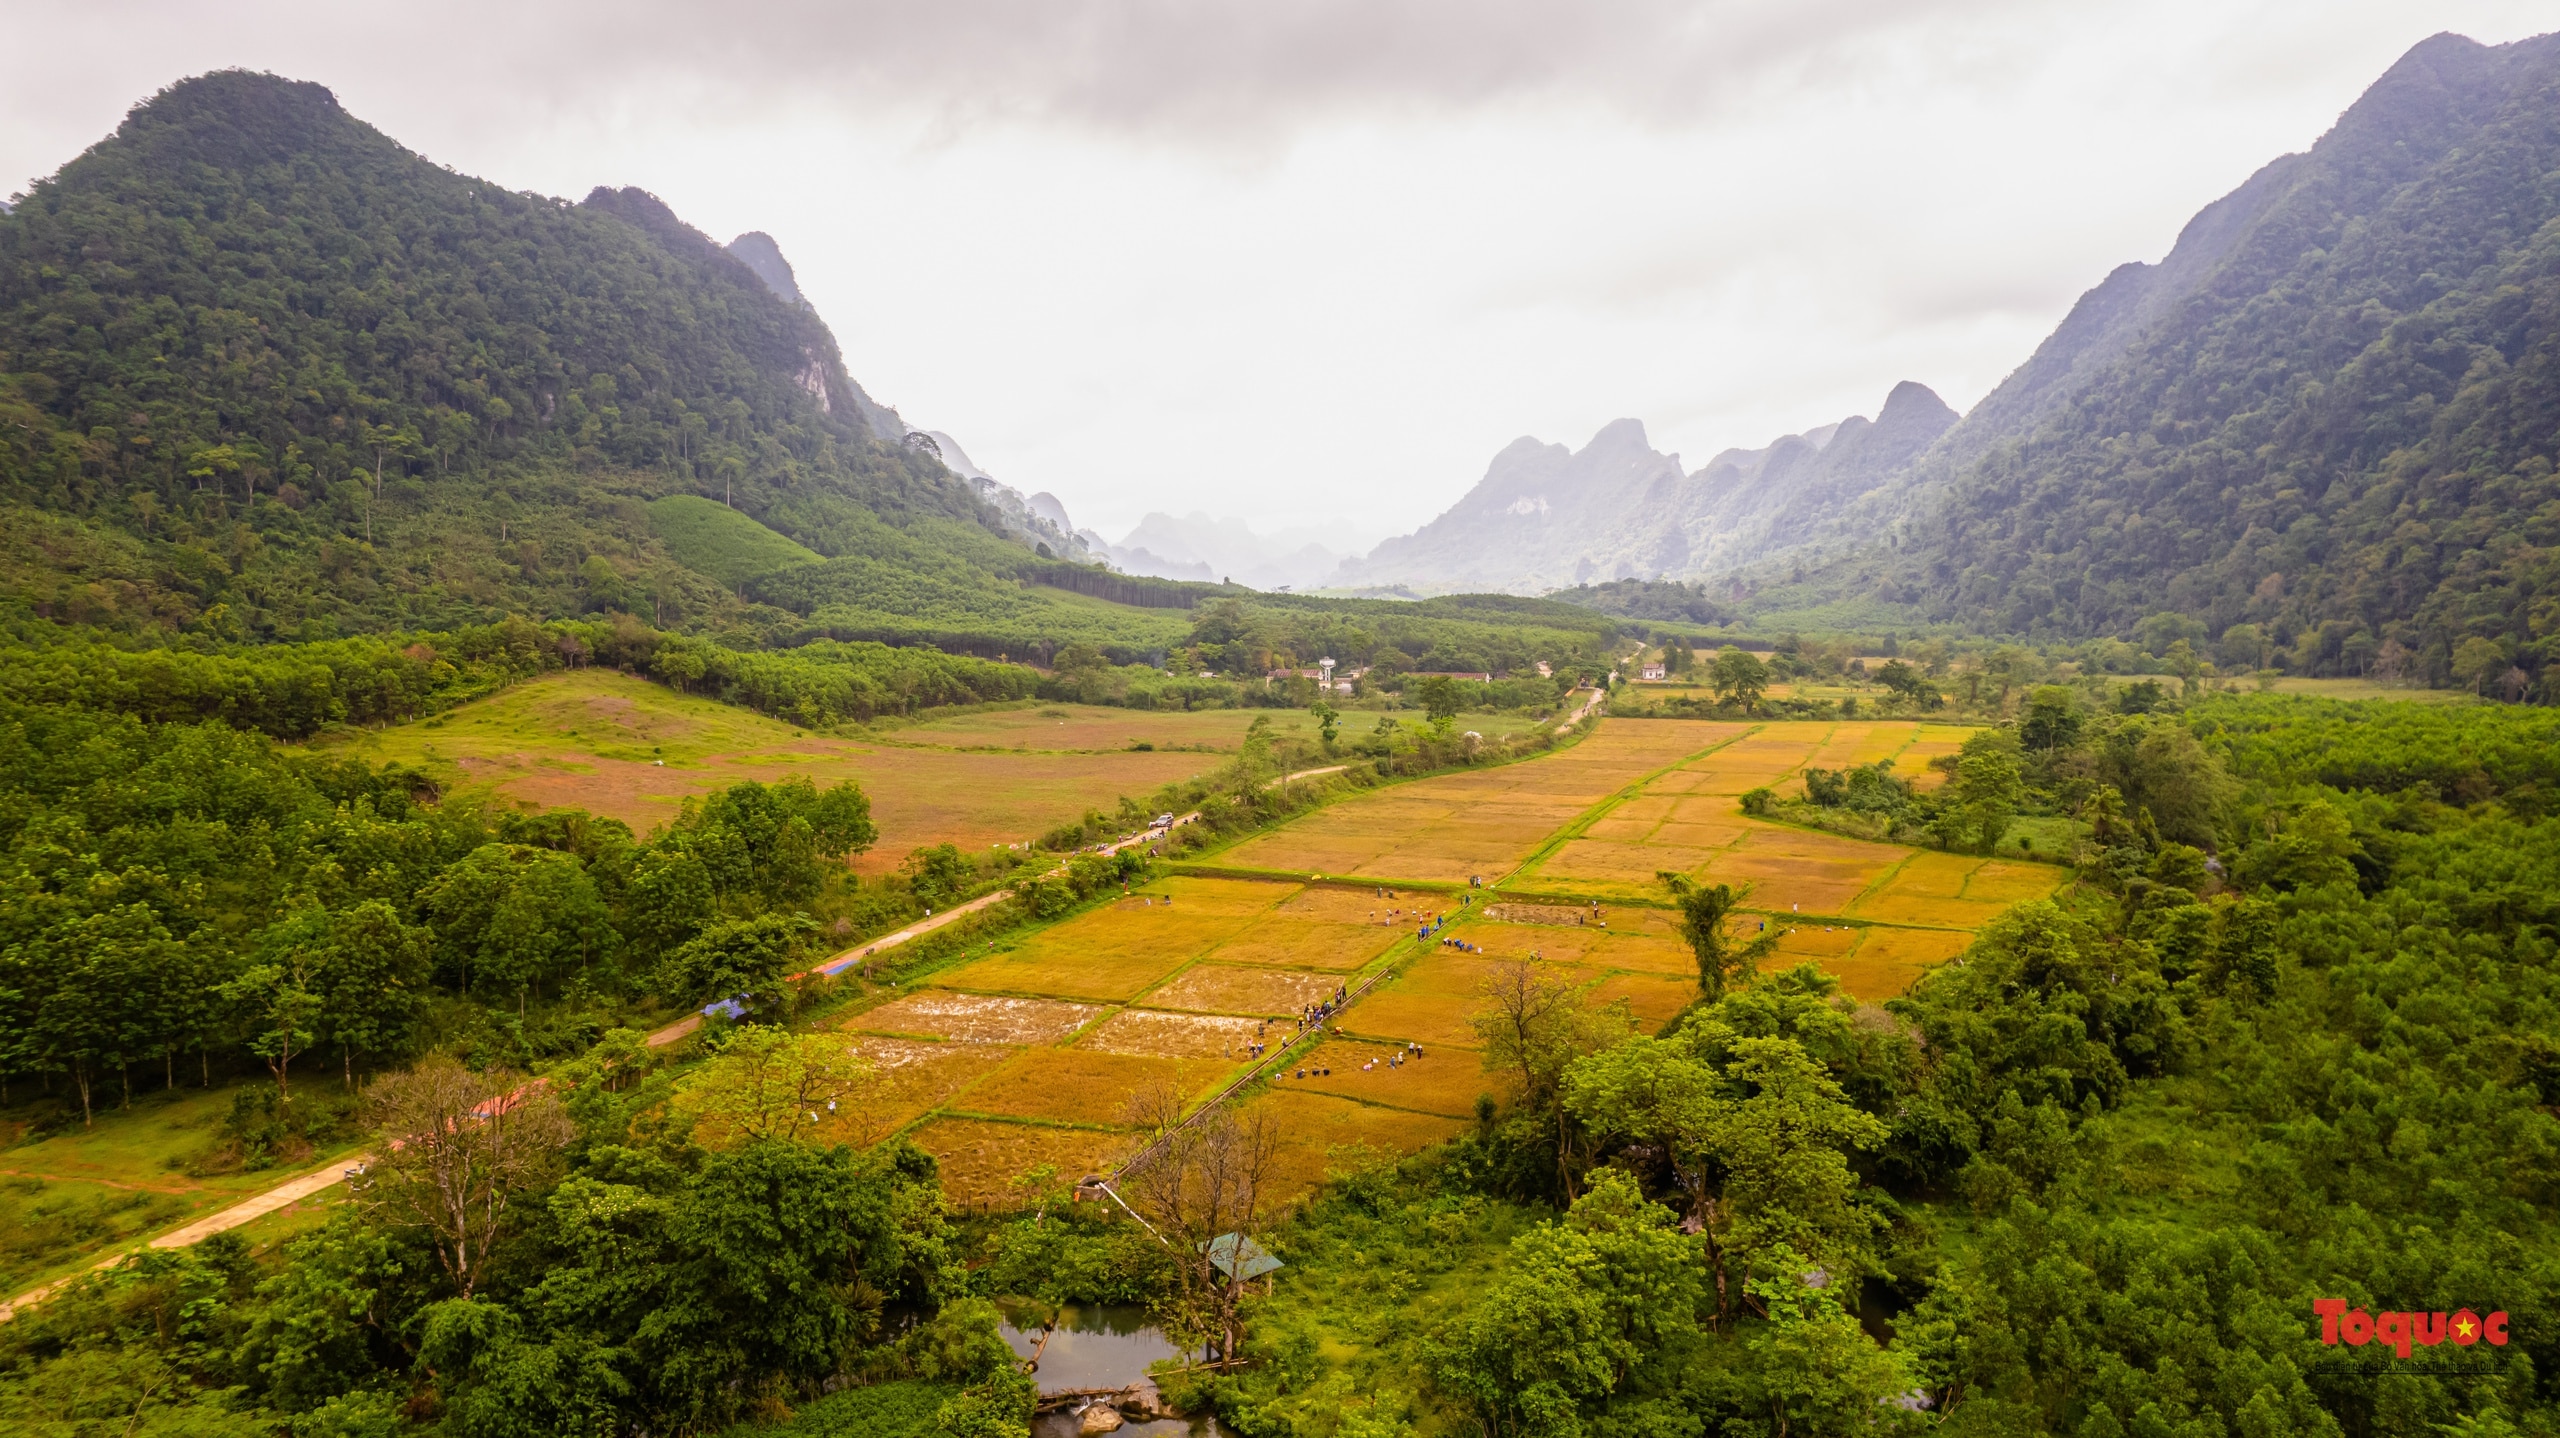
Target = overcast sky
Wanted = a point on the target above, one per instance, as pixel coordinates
(1314, 263)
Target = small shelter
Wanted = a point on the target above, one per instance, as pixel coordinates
(1239, 1258)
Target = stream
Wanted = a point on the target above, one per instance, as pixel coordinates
(1101, 1347)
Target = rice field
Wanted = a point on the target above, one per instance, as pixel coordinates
(632, 750)
(1085, 1085)
(1093, 729)
(982, 1159)
(1031, 1055)
(1482, 823)
(1323, 1135)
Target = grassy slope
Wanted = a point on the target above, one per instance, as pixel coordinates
(706, 535)
(630, 749)
(70, 1194)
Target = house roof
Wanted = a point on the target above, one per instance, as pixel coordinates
(1227, 1249)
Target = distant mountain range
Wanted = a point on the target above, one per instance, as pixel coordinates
(1196, 546)
(1545, 517)
(2325, 426)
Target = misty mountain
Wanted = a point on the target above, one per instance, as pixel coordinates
(270, 374)
(1038, 520)
(1195, 546)
(2329, 414)
(1545, 517)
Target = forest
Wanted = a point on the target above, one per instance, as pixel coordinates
(2337, 436)
(302, 435)
(2288, 1039)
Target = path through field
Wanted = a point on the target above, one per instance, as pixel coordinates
(1392, 907)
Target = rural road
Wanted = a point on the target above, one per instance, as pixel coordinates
(335, 1171)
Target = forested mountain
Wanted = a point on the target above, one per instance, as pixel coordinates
(2327, 421)
(269, 375)
(1545, 516)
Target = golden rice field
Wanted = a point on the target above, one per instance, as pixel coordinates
(1482, 823)
(632, 750)
(1031, 1054)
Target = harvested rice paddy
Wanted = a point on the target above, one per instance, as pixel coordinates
(1085, 1085)
(1481, 823)
(1032, 1055)
(982, 1158)
(977, 1018)
(632, 750)
(1149, 1034)
(1217, 988)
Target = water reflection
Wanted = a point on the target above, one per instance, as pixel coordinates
(1098, 1347)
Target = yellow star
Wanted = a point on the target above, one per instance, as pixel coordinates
(2464, 1327)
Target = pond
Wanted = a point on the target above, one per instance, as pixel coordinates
(1100, 1347)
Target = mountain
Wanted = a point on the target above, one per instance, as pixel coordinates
(268, 375)
(1196, 546)
(2324, 427)
(1545, 517)
(758, 251)
(1038, 520)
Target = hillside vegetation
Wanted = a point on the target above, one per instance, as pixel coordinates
(2330, 416)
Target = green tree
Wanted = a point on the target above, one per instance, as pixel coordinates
(1816, 1368)
(2051, 720)
(1585, 1304)
(770, 1084)
(939, 875)
(1442, 698)
(1706, 918)
(1328, 722)
(515, 917)
(1976, 805)
(276, 1001)
(367, 969)
(1739, 677)
(742, 959)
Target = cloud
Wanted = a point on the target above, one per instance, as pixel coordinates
(1186, 71)
(1302, 259)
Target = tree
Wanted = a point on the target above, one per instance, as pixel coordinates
(1706, 911)
(2159, 765)
(1739, 677)
(939, 875)
(460, 1148)
(1203, 1186)
(742, 959)
(1328, 722)
(1584, 1304)
(1976, 806)
(1534, 1021)
(1910, 685)
(1442, 698)
(366, 968)
(2479, 662)
(512, 916)
(1816, 1368)
(283, 1015)
(770, 1084)
(93, 986)
(2052, 719)
(766, 840)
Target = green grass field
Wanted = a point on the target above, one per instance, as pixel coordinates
(69, 1195)
(630, 749)
(710, 537)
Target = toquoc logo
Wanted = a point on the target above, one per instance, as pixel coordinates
(2399, 1331)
